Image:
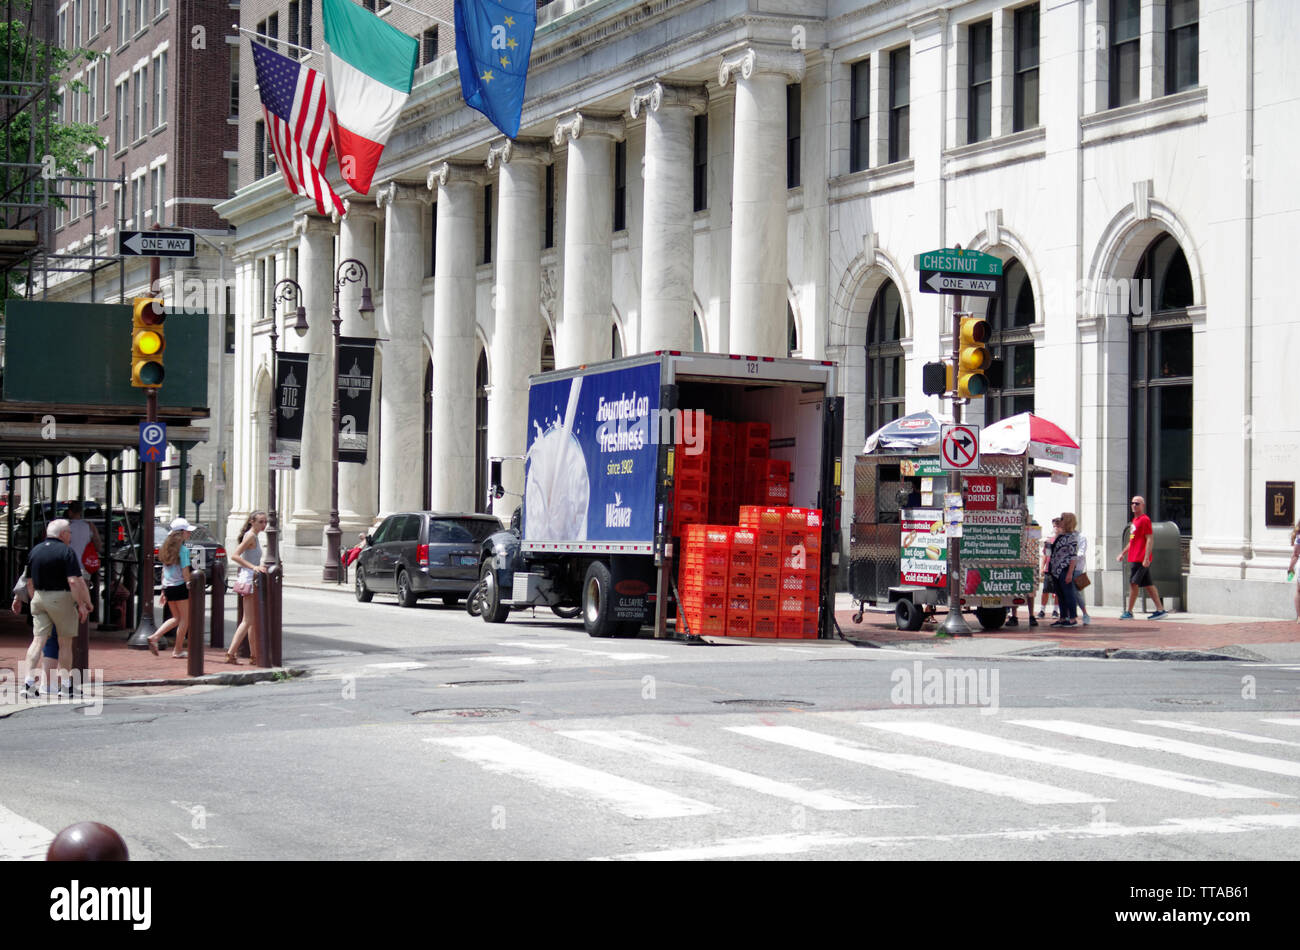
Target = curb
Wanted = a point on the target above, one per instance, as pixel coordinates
(1113, 653)
(218, 679)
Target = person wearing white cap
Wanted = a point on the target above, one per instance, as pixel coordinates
(175, 558)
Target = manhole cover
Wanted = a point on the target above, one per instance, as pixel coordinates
(766, 703)
(483, 682)
(476, 712)
(1190, 702)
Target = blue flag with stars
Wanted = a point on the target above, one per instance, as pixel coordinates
(493, 43)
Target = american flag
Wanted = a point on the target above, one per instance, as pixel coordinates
(297, 124)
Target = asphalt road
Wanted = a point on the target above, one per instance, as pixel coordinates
(425, 733)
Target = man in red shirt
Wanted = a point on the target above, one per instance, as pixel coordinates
(1140, 545)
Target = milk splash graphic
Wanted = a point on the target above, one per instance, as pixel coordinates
(558, 488)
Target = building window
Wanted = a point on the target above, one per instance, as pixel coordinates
(269, 29)
(232, 176)
(92, 23)
(480, 433)
(1181, 43)
(701, 163)
(1025, 106)
(234, 82)
(620, 186)
(860, 116)
(158, 193)
(140, 121)
(161, 8)
(62, 29)
(77, 21)
(160, 89)
(122, 114)
(141, 15)
(304, 23)
(137, 208)
(259, 149)
(885, 358)
(793, 132)
(791, 331)
(92, 94)
(979, 91)
(546, 357)
(429, 46)
(293, 29)
(487, 224)
(1011, 317)
(1125, 54)
(697, 333)
(548, 239)
(615, 342)
(123, 20)
(900, 72)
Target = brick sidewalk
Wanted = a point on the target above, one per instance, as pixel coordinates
(1103, 633)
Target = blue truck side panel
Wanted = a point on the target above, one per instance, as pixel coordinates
(590, 472)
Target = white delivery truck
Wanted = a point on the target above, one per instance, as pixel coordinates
(595, 532)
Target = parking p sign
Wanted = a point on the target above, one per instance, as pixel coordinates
(153, 441)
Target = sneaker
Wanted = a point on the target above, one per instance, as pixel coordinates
(1056, 613)
(30, 691)
(1126, 615)
(1157, 615)
(1086, 620)
(1033, 622)
(1042, 614)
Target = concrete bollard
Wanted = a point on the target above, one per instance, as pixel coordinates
(87, 841)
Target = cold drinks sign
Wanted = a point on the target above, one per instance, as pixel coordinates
(981, 492)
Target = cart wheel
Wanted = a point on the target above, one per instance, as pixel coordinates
(908, 616)
(991, 618)
(857, 617)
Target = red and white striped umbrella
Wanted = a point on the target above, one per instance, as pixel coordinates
(1029, 433)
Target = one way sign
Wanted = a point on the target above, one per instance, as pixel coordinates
(155, 243)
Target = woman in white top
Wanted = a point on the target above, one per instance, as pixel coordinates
(248, 555)
(1081, 570)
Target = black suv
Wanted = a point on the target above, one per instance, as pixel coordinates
(423, 554)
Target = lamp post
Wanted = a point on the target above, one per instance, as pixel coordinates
(285, 290)
(350, 271)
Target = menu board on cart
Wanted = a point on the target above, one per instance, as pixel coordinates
(923, 554)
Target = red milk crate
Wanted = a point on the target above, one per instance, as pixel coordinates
(690, 507)
(776, 491)
(743, 542)
(767, 582)
(766, 603)
(793, 582)
(790, 627)
(740, 582)
(798, 518)
(809, 627)
(708, 623)
(762, 516)
(691, 463)
(768, 560)
(746, 431)
(765, 625)
(740, 601)
(777, 468)
(790, 604)
(708, 535)
(740, 623)
(692, 482)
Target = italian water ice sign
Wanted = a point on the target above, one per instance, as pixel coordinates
(592, 455)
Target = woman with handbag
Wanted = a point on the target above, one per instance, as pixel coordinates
(1064, 550)
(175, 558)
(248, 555)
(1081, 578)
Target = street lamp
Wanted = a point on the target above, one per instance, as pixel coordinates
(350, 271)
(285, 290)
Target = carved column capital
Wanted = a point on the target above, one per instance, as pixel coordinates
(654, 95)
(355, 209)
(504, 151)
(442, 174)
(761, 59)
(313, 224)
(393, 191)
(574, 125)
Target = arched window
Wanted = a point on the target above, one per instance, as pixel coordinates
(548, 352)
(1011, 315)
(481, 433)
(791, 332)
(885, 361)
(615, 342)
(1160, 377)
(697, 334)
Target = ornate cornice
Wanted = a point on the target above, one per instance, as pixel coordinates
(928, 23)
(313, 224)
(762, 59)
(572, 125)
(442, 174)
(654, 95)
(505, 151)
(394, 191)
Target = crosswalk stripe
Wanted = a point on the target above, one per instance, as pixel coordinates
(1283, 722)
(1190, 750)
(680, 757)
(1207, 730)
(803, 843)
(1077, 761)
(626, 797)
(607, 654)
(21, 839)
(935, 770)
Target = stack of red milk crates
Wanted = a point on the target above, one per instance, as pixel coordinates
(765, 480)
(692, 478)
(767, 569)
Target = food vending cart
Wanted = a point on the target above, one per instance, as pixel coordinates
(905, 509)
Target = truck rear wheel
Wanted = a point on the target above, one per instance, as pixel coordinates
(908, 615)
(597, 607)
(490, 605)
(992, 618)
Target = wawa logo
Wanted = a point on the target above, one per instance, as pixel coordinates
(617, 516)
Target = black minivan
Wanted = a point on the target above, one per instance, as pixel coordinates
(418, 554)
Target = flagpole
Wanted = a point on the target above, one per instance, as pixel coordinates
(268, 40)
(424, 13)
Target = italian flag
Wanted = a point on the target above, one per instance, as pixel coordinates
(369, 66)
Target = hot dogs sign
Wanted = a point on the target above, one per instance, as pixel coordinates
(923, 558)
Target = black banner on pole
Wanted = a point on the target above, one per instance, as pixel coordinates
(356, 371)
(291, 390)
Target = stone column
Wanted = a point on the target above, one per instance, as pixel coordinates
(583, 331)
(401, 414)
(357, 488)
(454, 345)
(668, 234)
(312, 479)
(517, 330)
(759, 267)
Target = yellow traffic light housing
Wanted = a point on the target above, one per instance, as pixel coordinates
(148, 342)
(974, 358)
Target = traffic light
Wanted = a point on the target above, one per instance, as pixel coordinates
(975, 357)
(936, 379)
(148, 342)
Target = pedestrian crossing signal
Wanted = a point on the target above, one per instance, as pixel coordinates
(148, 342)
